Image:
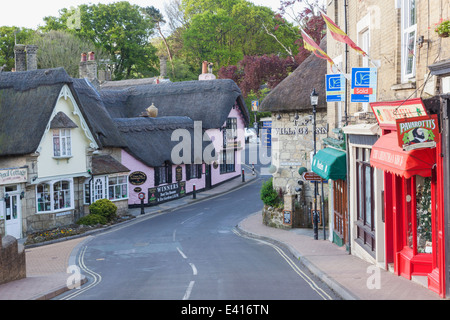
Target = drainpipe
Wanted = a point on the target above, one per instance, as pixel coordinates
(349, 235)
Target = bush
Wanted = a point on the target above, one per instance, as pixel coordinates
(105, 208)
(268, 195)
(92, 219)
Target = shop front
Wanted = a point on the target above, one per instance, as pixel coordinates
(409, 154)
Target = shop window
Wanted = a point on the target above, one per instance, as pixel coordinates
(54, 196)
(193, 171)
(163, 174)
(62, 145)
(365, 226)
(408, 42)
(228, 161)
(117, 187)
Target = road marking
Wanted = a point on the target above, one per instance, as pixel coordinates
(194, 269)
(190, 218)
(297, 270)
(188, 290)
(181, 252)
(97, 277)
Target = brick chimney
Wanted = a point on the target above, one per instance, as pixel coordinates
(20, 57)
(31, 51)
(207, 71)
(88, 66)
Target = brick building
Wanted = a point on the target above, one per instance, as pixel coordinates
(412, 62)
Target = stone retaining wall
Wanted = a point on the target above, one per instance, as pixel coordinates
(12, 260)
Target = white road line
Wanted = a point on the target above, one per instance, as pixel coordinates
(174, 234)
(97, 277)
(194, 269)
(297, 270)
(181, 252)
(188, 290)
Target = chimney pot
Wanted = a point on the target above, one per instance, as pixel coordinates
(91, 56)
(83, 57)
(205, 67)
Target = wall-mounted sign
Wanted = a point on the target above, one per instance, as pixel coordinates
(364, 85)
(166, 192)
(418, 132)
(312, 176)
(137, 178)
(287, 217)
(389, 111)
(335, 87)
(137, 189)
(13, 175)
(178, 173)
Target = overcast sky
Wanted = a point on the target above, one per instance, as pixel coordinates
(30, 13)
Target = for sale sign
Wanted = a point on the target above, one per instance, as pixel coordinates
(418, 132)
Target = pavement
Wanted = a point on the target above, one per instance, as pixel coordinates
(349, 276)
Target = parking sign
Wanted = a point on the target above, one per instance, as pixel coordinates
(364, 85)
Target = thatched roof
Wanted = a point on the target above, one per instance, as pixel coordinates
(27, 100)
(293, 93)
(102, 125)
(105, 164)
(150, 139)
(209, 101)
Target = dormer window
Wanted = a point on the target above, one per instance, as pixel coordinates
(62, 146)
(61, 126)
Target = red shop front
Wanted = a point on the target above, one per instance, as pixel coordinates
(413, 190)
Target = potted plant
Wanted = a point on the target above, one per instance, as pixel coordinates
(443, 28)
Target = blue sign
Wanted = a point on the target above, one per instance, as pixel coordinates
(335, 87)
(364, 85)
(267, 133)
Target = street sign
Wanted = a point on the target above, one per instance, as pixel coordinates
(364, 85)
(141, 196)
(335, 87)
(312, 176)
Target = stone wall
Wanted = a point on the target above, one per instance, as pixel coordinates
(12, 260)
(292, 148)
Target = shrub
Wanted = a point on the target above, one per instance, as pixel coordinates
(105, 208)
(268, 195)
(92, 219)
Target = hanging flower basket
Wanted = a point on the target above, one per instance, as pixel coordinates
(443, 28)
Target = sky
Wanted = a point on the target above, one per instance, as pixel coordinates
(30, 13)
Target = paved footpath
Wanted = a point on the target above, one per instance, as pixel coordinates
(348, 275)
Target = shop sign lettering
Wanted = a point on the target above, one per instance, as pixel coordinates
(294, 131)
(13, 175)
(387, 113)
(167, 192)
(418, 132)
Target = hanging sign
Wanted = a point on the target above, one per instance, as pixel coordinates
(388, 112)
(335, 87)
(418, 132)
(255, 105)
(364, 85)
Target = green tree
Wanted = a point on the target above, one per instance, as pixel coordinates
(9, 36)
(62, 49)
(224, 31)
(121, 29)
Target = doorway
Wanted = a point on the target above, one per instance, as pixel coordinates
(13, 214)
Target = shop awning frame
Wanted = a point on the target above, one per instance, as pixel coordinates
(330, 164)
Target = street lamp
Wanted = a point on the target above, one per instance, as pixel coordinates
(314, 101)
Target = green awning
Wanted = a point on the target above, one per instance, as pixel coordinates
(330, 164)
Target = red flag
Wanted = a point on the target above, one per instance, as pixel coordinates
(340, 35)
(309, 44)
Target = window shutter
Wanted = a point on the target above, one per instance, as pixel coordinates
(156, 176)
(188, 172)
